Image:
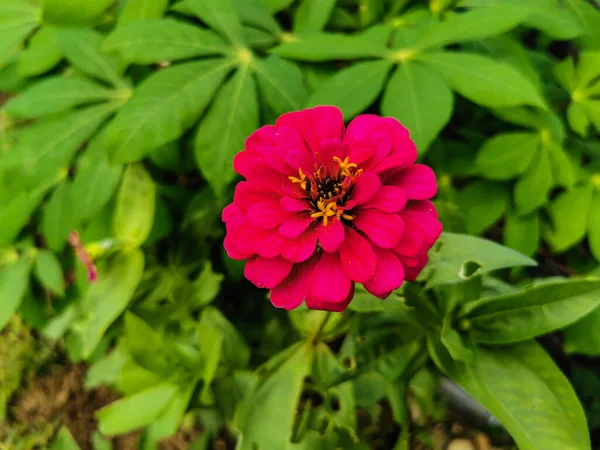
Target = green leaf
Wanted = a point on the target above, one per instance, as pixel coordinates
(44, 150)
(275, 5)
(15, 212)
(554, 19)
(458, 257)
(54, 95)
(266, 416)
(483, 80)
(162, 108)
(142, 9)
(154, 41)
(577, 119)
(17, 19)
(420, 100)
(64, 441)
(353, 89)
(482, 204)
(14, 279)
(42, 53)
(582, 337)
(455, 343)
(58, 219)
(134, 211)
(95, 180)
(330, 47)
(281, 85)
(49, 272)
(211, 345)
(206, 286)
(254, 15)
(167, 423)
(522, 233)
(586, 13)
(99, 442)
(135, 411)
(148, 347)
(564, 171)
(81, 47)
(106, 299)
(233, 116)
(236, 353)
(221, 16)
(568, 215)
(507, 155)
(312, 16)
(532, 189)
(594, 225)
(471, 26)
(534, 311)
(73, 12)
(541, 410)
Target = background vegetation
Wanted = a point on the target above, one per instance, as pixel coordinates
(120, 120)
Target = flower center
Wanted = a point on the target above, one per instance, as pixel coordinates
(329, 188)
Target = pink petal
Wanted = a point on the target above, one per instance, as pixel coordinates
(243, 160)
(299, 249)
(293, 290)
(230, 212)
(335, 306)
(331, 236)
(371, 138)
(366, 186)
(329, 284)
(268, 214)
(424, 213)
(248, 194)
(267, 177)
(263, 146)
(266, 243)
(292, 204)
(412, 267)
(389, 275)
(384, 229)
(295, 225)
(267, 272)
(418, 181)
(358, 258)
(315, 125)
(389, 199)
(413, 239)
(233, 249)
(329, 149)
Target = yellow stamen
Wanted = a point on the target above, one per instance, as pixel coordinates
(345, 165)
(326, 210)
(301, 180)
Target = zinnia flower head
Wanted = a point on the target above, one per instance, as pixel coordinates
(324, 207)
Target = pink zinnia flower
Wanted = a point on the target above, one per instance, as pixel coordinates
(323, 208)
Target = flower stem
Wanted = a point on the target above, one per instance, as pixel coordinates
(321, 327)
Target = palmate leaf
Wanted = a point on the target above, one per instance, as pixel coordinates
(221, 16)
(281, 84)
(17, 19)
(507, 155)
(312, 16)
(532, 188)
(153, 41)
(330, 47)
(165, 105)
(142, 9)
(221, 134)
(73, 12)
(42, 53)
(522, 233)
(420, 100)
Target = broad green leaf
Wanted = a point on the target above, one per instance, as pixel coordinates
(15, 211)
(459, 257)
(44, 150)
(81, 47)
(134, 210)
(135, 411)
(64, 441)
(14, 279)
(275, 5)
(167, 423)
(255, 15)
(587, 15)
(540, 411)
(583, 336)
(211, 347)
(221, 16)
(311, 16)
(568, 215)
(531, 190)
(420, 100)
(330, 47)
(49, 272)
(259, 39)
(236, 353)
(564, 171)
(17, 19)
(142, 9)
(266, 416)
(162, 108)
(105, 370)
(133, 378)
(58, 219)
(577, 119)
(470, 26)
(233, 116)
(553, 18)
(594, 225)
(147, 346)
(507, 155)
(281, 85)
(455, 343)
(482, 204)
(534, 311)
(106, 299)
(484, 80)
(522, 233)
(73, 12)
(206, 286)
(95, 180)
(353, 89)
(100, 442)
(154, 41)
(42, 53)
(54, 95)
(363, 302)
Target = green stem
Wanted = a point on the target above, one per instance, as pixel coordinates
(321, 327)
